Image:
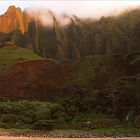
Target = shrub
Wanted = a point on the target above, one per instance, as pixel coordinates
(137, 121)
(9, 118)
(43, 125)
(4, 125)
(3, 99)
(107, 123)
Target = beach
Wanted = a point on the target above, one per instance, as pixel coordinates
(39, 138)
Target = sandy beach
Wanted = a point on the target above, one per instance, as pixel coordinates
(38, 138)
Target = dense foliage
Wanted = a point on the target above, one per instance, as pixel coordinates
(77, 111)
(100, 86)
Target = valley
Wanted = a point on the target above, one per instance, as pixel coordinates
(80, 74)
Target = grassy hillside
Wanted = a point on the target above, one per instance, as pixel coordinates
(88, 67)
(101, 89)
(10, 55)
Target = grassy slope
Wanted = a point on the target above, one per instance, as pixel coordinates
(88, 67)
(10, 55)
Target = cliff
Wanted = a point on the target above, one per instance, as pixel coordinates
(13, 17)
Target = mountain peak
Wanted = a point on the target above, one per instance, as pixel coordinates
(13, 17)
(11, 8)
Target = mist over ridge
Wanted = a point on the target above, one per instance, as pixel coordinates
(46, 15)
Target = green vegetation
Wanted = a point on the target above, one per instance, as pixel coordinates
(88, 67)
(94, 88)
(75, 112)
(19, 39)
(106, 36)
(108, 132)
(11, 54)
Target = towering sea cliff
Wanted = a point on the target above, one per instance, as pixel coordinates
(13, 17)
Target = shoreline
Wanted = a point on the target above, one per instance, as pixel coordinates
(43, 138)
(63, 134)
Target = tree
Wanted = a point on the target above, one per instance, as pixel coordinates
(20, 39)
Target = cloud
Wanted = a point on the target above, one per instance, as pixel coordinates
(81, 8)
(94, 9)
(47, 17)
(59, 11)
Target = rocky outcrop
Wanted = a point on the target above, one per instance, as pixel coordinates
(47, 41)
(33, 33)
(14, 17)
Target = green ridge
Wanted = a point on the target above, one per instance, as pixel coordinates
(10, 55)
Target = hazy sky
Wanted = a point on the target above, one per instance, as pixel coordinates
(79, 8)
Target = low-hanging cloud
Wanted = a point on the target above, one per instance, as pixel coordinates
(47, 17)
(46, 14)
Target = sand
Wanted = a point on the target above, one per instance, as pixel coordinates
(37, 138)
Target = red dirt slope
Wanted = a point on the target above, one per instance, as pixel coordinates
(42, 79)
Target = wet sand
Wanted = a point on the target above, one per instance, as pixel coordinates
(37, 138)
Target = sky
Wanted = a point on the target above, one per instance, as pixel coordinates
(84, 8)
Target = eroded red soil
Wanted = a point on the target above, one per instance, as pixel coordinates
(34, 80)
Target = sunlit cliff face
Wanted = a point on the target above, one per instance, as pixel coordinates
(50, 13)
(13, 17)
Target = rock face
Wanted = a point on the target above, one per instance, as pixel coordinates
(14, 17)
